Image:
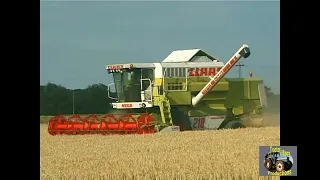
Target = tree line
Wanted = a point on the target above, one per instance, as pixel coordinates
(56, 99)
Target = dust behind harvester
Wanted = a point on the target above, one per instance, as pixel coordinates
(186, 91)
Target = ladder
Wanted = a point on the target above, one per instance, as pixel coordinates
(165, 110)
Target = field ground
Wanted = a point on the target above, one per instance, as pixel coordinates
(223, 154)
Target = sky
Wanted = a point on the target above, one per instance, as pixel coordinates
(78, 39)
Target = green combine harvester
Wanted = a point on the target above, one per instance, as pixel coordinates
(186, 91)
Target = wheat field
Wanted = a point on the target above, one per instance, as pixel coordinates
(223, 154)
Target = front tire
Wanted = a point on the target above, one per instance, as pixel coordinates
(268, 164)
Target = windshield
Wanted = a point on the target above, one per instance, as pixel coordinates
(127, 84)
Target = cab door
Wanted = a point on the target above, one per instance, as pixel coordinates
(147, 80)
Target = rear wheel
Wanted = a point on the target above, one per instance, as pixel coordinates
(279, 166)
(233, 125)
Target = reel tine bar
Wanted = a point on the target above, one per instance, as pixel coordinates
(107, 124)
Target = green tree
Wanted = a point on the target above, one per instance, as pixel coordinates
(56, 99)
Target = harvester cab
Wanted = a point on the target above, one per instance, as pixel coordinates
(185, 91)
(133, 86)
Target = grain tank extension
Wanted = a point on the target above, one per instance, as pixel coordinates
(186, 91)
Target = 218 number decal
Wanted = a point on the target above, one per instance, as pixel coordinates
(198, 123)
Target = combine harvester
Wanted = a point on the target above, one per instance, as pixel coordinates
(186, 91)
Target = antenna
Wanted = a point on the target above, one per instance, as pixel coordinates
(240, 66)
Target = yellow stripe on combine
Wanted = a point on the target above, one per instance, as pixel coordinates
(155, 93)
(158, 81)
